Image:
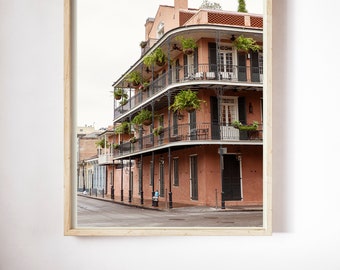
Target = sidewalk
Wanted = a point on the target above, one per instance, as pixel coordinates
(164, 206)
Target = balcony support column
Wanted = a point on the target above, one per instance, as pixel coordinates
(130, 181)
(121, 181)
(141, 179)
(152, 177)
(170, 184)
(113, 181)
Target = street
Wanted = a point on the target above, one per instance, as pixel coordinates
(98, 213)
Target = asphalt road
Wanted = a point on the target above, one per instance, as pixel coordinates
(98, 213)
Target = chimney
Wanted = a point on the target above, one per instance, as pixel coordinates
(181, 4)
(148, 25)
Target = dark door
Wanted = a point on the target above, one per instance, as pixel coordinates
(193, 178)
(231, 183)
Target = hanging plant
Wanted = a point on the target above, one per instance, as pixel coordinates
(188, 45)
(101, 144)
(245, 44)
(124, 101)
(186, 100)
(156, 57)
(144, 86)
(143, 117)
(133, 140)
(123, 128)
(118, 93)
(158, 131)
(143, 44)
(115, 146)
(134, 77)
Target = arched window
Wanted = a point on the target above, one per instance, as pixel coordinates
(160, 30)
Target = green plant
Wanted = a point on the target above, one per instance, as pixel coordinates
(115, 146)
(245, 44)
(144, 86)
(123, 128)
(142, 117)
(118, 93)
(240, 126)
(134, 77)
(123, 101)
(188, 45)
(156, 57)
(158, 131)
(101, 143)
(186, 100)
(133, 140)
(143, 44)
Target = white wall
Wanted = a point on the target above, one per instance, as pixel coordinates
(306, 146)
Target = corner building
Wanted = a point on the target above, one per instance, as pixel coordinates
(201, 157)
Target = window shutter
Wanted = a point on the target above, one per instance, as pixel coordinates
(255, 71)
(242, 116)
(215, 131)
(212, 57)
(242, 69)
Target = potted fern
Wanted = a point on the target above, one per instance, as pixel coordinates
(156, 57)
(134, 77)
(188, 45)
(101, 144)
(124, 101)
(133, 139)
(186, 100)
(118, 93)
(158, 131)
(143, 117)
(123, 128)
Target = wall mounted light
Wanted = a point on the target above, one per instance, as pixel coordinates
(232, 38)
(250, 109)
(180, 116)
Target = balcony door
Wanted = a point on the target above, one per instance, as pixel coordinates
(226, 63)
(229, 114)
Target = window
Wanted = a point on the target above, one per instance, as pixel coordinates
(175, 172)
(160, 30)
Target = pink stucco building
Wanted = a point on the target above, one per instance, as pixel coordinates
(202, 157)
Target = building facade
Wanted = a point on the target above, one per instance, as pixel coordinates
(211, 155)
(90, 176)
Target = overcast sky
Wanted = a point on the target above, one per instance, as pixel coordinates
(108, 37)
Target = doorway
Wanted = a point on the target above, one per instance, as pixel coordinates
(231, 181)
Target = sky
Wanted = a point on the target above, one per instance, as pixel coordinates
(107, 44)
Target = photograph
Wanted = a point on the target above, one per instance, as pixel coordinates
(170, 122)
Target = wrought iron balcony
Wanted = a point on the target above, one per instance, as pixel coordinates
(190, 75)
(184, 134)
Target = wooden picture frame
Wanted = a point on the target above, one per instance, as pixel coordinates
(70, 226)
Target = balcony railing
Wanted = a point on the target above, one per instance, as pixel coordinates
(191, 73)
(105, 158)
(201, 132)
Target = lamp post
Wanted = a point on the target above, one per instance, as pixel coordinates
(84, 187)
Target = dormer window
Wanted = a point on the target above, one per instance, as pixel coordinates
(160, 30)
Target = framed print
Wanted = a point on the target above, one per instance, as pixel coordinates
(168, 118)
